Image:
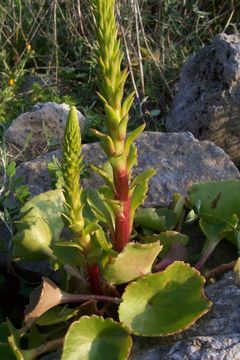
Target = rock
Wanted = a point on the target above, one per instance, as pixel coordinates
(207, 102)
(29, 80)
(216, 336)
(179, 158)
(41, 128)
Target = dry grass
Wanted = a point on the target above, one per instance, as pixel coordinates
(158, 36)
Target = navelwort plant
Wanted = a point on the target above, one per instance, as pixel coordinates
(107, 272)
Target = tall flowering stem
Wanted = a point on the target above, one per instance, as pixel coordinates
(111, 87)
(72, 189)
(71, 167)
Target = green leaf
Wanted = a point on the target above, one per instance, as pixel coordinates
(138, 196)
(35, 337)
(112, 117)
(128, 103)
(91, 227)
(156, 219)
(134, 261)
(132, 157)
(179, 202)
(171, 237)
(139, 189)
(143, 177)
(40, 226)
(33, 243)
(218, 199)
(122, 127)
(95, 338)
(218, 230)
(217, 204)
(133, 136)
(215, 232)
(56, 315)
(103, 242)
(167, 239)
(164, 303)
(105, 142)
(68, 252)
(106, 177)
(115, 205)
(191, 217)
(100, 208)
(11, 169)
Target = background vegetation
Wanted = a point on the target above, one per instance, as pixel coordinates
(54, 40)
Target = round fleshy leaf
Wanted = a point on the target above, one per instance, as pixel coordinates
(159, 220)
(134, 261)
(95, 338)
(216, 200)
(167, 239)
(40, 225)
(56, 315)
(164, 303)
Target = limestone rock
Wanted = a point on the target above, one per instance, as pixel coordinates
(207, 102)
(216, 336)
(41, 128)
(179, 158)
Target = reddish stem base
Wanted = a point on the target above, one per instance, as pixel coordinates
(123, 226)
(94, 278)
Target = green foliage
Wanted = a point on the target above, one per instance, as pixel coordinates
(217, 204)
(167, 239)
(165, 303)
(41, 221)
(94, 245)
(156, 219)
(95, 338)
(134, 261)
(11, 77)
(56, 315)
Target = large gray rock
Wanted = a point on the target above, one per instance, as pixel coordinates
(216, 336)
(40, 129)
(179, 158)
(208, 99)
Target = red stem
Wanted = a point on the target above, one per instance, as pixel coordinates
(95, 280)
(123, 226)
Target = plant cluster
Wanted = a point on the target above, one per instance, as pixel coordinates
(127, 282)
(10, 78)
